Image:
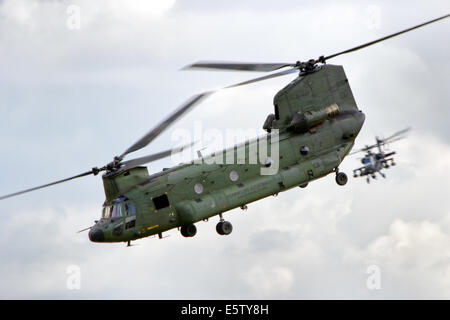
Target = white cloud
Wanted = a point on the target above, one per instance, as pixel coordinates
(274, 283)
(414, 258)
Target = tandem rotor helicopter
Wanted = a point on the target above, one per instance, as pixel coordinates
(314, 127)
(374, 162)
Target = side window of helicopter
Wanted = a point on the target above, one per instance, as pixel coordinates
(129, 208)
(119, 210)
(161, 202)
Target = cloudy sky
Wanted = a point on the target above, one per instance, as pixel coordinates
(75, 92)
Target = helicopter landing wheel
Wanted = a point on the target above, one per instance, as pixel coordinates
(303, 185)
(188, 231)
(341, 178)
(224, 228)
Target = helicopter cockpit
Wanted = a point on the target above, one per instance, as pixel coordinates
(120, 207)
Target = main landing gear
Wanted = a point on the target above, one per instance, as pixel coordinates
(188, 231)
(341, 177)
(224, 227)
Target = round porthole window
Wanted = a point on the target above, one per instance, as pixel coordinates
(268, 163)
(304, 150)
(198, 188)
(234, 175)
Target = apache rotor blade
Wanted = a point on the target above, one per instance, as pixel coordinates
(366, 148)
(384, 38)
(47, 185)
(153, 157)
(156, 131)
(393, 140)
(397, 134)
(273, 75)
(357, 151)
(238, 66)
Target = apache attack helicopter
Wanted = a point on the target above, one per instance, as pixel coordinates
(313, 128)
(374, 162)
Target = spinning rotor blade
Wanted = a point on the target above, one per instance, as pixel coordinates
(238, 66)
(397, 134)
(357, 151)
(117, 163)
(392, 138)
(384, 38)
(396, 139)
(366, 148)
(47, 185)
(156, 131)
(273, 75)
(302, 66)
(126, 165)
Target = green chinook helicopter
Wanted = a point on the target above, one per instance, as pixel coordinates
(313, 128)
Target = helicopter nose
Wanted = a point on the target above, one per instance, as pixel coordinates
(96, 235)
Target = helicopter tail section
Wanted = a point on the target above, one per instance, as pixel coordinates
(326, 85)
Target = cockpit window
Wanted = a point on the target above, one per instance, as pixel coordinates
(105, 212)
(129, 208)
(120, 207)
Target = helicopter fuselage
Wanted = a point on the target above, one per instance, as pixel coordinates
(208, 186)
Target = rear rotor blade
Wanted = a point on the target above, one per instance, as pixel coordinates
(238, 66)
(384, 38)
(273, 75)
(156, 131)
(48, 184)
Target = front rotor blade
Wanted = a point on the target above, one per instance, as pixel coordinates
(156, 131)
(46, 185)
(153, 157)
(384, 38)
(273, 75)
(238, 66)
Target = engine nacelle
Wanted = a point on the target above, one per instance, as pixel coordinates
(302, 122)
